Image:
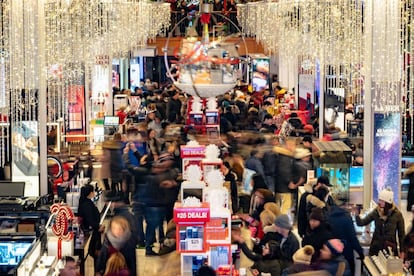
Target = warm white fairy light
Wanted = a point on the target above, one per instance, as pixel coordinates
(386, 64)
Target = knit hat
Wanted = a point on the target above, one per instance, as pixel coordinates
(283, 221)
(323, 179)
(335, 246)
(317, 214)
(303, 255)
(387, 195)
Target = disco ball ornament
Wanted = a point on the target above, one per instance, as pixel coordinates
(207, 65)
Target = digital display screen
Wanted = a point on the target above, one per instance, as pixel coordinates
(12, 189)
(356, 176)
(12, 252)
(111, 121)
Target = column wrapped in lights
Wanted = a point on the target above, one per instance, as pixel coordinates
(386, 63)
(4, 82)
(78, 31)
(313, 31)
(407, 88)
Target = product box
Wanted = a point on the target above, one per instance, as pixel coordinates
(26, 227)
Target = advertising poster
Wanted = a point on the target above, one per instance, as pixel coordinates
(76, 113)
(306, 92)
(386, 154)
(260, 73)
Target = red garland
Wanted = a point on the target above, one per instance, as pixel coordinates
(205, 18)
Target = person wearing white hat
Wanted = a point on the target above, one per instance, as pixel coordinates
(389, 223)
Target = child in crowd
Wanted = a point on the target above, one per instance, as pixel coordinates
(116, 266)
(332, 260)
(301, 261)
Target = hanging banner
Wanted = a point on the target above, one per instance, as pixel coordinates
(75, 124)
(306, 92)
(386, 154)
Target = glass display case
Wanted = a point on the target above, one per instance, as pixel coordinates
(335, 163)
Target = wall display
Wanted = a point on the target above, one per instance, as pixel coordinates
(335, 107)
(260, 72)
(76, 113)
(25, 154)
(307, 92)
(386, 154)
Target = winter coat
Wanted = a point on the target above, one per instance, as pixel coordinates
(410, 195)
(140, 173)
(269, 234)
(264, 264)
(254, 163)
(335, 265)
(128, 250)
(90, 215)
(113, 160)
(343, 228)
(297, 268)
(387, 226)
(302, 213)
(288, 248)
(300, 169)
(284, 173)
(317, 237)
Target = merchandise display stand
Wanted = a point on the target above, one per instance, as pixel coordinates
(191, 154)
(203, 218)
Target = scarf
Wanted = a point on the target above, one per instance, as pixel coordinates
(118, 243)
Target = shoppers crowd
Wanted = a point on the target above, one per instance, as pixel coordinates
(267, 150)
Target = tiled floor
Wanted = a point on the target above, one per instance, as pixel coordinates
(169, 265)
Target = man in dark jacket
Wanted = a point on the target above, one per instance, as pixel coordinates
(156, 181)
(174, 107)
(305, 207)
(318, 232)
(130, 157)
(282, 179)
(343, 228)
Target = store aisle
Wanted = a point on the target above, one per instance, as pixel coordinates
(169, 265)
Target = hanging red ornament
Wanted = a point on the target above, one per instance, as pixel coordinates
(205, 18)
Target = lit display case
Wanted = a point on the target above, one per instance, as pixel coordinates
(335, 163)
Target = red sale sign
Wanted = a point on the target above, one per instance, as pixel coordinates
(193, 152)
(187, 215)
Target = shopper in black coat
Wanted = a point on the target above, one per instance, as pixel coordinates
(174, 108)
(318, 231)
(389, 223)
(267, 262)
(90, 219)
(410, 195)
(343, 228)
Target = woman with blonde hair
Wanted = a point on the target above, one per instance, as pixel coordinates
(267, 219)
(118, 239)
(116, 265)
